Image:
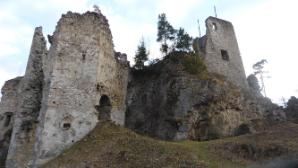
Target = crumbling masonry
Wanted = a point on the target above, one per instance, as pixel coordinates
(65, 90)
(220, 50)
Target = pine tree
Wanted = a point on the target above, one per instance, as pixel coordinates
(183, 41)
(165, 33)
(141, 55)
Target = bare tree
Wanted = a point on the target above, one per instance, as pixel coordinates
(259, 70)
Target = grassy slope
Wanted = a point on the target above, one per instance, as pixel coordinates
(112, 146)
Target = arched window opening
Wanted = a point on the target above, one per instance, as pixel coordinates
(104, 101)
(104, 108)
(214, 27)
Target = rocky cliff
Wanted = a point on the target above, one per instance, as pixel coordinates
(165, 101)
(292, 108)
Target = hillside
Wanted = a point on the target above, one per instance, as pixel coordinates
(109, 145)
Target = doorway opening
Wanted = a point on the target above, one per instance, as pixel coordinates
(104, 108)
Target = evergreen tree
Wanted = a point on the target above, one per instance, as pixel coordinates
(183, 41)
(141, 55)
(165, 33)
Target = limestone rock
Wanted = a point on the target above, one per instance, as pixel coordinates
(166, 102)
(254, 84)
(292, 108)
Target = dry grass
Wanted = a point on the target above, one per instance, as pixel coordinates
(112, 146)
(115, 147)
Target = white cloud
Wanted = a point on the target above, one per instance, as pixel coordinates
(126, 2)
(127, 32)
(269, 31)
(56, 5)
(177, 10)
(12, 32)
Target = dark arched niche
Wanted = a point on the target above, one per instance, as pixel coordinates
(104, 108)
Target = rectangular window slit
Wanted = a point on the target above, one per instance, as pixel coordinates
(225, 55)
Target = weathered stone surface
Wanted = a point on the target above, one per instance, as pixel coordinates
(270, 111)
(221, 53)
(28, 105)
(84, 82)
(166, 102)
(8, 108)
(254, 85)
(292, 108)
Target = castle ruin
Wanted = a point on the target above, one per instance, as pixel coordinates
(221, 53)
(68, 89)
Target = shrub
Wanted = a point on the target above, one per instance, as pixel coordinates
(194, 64)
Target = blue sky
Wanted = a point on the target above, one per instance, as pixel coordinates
(264, 28)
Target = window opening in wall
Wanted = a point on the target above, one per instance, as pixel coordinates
(225, 55)
(8, 119)
(84, 55)
(66, 126)
(97, 87)
(104, 108)
(214, 27)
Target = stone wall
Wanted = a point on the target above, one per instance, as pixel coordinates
(221, 53)
(81, 67)
(28, 105)
(8, 108)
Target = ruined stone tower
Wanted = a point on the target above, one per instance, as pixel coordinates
(220, 50)
(65, 92)
(84, 82)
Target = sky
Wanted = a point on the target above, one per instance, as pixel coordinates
(265, 29)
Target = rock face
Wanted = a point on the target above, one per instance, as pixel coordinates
(221, 53)
(8, 108)
(254, 85)
(292, 108)
(167, 102)
(28, 105)
(270, 111)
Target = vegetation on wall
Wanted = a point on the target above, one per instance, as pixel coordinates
(194, 64)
